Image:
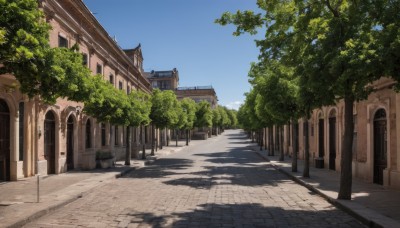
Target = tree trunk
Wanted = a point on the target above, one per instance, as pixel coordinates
(277, 139)
(157, 138)
(167, 136)
(282, 154)
(176, 136)
(346, 169)
(152, 139)
(187, 137)
(272, 150)
(142, 142)
(294, 147)
(306, 171)
(265, 138)
(161, 138)
(261, 139)
(128, 151)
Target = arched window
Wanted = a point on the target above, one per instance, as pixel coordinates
(88, 134)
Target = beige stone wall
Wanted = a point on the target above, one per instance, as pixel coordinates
(364, 111)
(93, 41)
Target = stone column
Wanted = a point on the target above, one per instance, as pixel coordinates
(14, 147)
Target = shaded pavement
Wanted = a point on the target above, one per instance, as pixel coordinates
(373, 204)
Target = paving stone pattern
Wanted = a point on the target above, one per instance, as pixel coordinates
(218, 183)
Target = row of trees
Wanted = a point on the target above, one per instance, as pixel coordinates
(315, 53)
(52, 73)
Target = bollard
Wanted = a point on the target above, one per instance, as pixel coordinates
(38, 180)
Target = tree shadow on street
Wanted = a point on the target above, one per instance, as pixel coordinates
(231, 175)
(245, 215)
(161, 168)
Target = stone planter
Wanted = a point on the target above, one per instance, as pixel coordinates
(104, 159)
(107, 163)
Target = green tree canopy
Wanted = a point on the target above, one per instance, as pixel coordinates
(232, 117)
(216, 119)
(163, 111)
(189, 106)
(203, 114)
(25, 53)
(106, 103)
(139, 109)
(337, 48)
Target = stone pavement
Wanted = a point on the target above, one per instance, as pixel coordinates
(18, 200)
(373, 204)
(219, 182)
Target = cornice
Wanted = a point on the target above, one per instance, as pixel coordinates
(122, 63)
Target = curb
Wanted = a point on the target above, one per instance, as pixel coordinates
(53, 208)
(358, 214)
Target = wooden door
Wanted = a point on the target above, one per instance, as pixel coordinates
(4, 141)
(321, 148)
(332, 142)
(70, 143)
(380, 145)
(50, 142)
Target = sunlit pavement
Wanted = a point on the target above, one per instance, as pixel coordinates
(220, 182)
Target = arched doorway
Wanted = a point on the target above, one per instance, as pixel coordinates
(332, 140)
(321, 148)
(380, 145)
(50, 142)
(70, 143)
(4, 141)
(88, 137)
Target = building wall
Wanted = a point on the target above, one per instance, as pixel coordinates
(199, 95)
(363, 149)
(63, 16)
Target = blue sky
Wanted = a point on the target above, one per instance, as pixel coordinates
(182, 34)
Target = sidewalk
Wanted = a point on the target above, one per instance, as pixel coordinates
(18, 200)
(372, 204)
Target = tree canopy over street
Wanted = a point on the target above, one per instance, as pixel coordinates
(334, 49)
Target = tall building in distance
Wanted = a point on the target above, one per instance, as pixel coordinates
(163, 80)
(169, 80)
(198, 94)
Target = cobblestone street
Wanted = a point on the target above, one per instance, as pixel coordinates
(216, 183)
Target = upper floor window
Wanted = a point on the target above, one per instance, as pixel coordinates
(62, 41)
(120, 85)
(112, 79)
(99, 69)
(84, 59)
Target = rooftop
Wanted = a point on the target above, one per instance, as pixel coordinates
(195, 88)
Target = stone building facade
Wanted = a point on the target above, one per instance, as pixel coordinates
(163, 80)
(376, 147)
(198, 94)
(36, 138)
